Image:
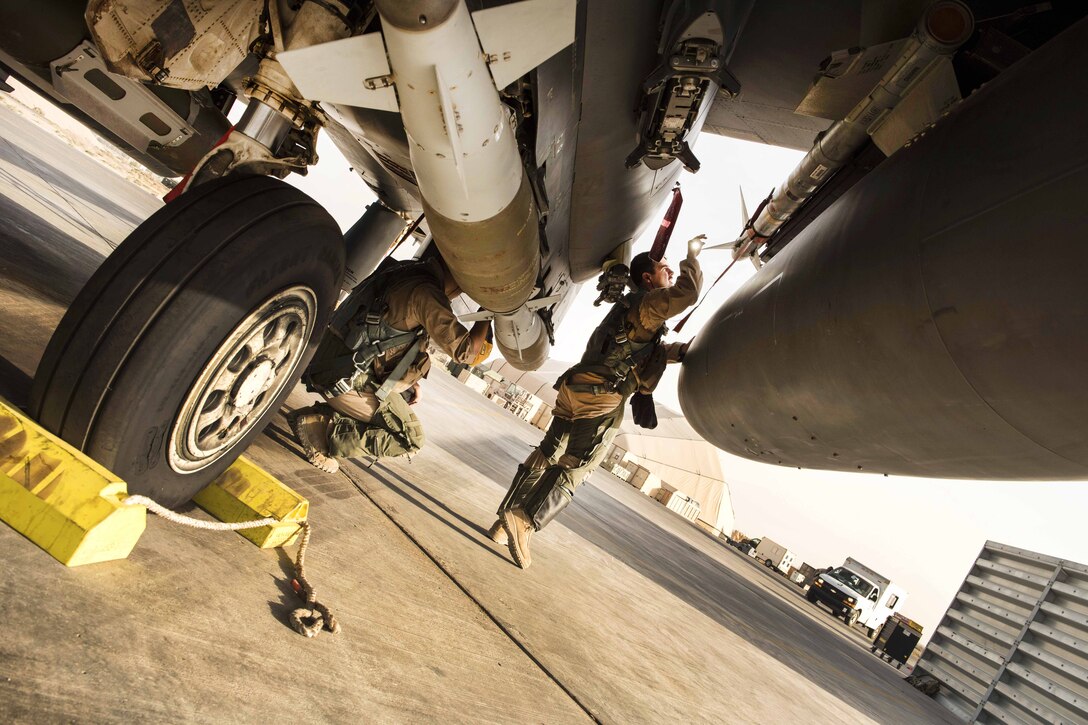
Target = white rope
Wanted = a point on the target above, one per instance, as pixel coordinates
(194, 523)
(308, 620)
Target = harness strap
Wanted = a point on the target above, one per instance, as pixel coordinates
(383, 346)
(624, 342)
(594, 388)
(361, 360)
(631, 355)
(374, 317)
(398, 372)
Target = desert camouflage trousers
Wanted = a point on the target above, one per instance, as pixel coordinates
(364, 427)
(570, 451)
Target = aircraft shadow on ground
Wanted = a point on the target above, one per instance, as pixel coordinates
(42, 258)
(702, 582)
(14, 384)
(62, 182)
(39, 260)
(427, 503)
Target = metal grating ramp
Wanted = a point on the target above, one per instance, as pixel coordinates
(1013, 645)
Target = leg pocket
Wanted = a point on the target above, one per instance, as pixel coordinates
(346, 437)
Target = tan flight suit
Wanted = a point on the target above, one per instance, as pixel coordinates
(656, 307)
(586, 421)
(416, 301)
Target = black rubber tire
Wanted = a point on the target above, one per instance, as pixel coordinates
(120, 364)
(851, 618)
(811, 596)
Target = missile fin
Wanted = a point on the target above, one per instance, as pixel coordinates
(477, 316)
(352, 71)
(723, 245)
(453, 127)
(541, 302)
(520, 36)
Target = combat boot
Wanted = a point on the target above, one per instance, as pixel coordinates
(311, 427)
(520, 488)
(519, 529)
(498, 534)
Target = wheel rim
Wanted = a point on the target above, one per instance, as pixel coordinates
(243, 378)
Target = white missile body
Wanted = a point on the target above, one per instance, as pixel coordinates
(447, 66)
(461, 142)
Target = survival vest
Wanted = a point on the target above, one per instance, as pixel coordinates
(359, 335)
(612, 354)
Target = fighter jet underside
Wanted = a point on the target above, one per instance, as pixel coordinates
(916, 309)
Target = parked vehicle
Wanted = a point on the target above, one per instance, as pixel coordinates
(808, 574)
(897, 639)
(774, 555)
(858, 594)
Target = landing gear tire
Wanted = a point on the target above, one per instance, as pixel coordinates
(188, 338)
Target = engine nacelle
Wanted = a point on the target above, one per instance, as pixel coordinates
(934, 320)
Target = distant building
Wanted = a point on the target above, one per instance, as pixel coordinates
(530, 395)
(475, 382)
(683, 467)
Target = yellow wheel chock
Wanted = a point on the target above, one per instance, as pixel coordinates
(245, 492)
(73, 508)
(59, 498)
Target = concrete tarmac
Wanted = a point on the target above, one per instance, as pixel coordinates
(629, 613)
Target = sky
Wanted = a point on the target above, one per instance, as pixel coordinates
(923, 534)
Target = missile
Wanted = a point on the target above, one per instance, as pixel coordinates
(447, 66)
(475, 191)
(521, 336)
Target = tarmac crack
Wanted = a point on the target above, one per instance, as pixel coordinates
(480, 605)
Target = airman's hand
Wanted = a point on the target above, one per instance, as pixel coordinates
(695, 245)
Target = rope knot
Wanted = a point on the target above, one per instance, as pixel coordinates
(310, 622)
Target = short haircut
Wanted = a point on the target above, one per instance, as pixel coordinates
(640, 265)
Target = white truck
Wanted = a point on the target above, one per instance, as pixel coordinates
(858, 594)
(774, 555)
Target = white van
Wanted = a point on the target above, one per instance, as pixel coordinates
(858, 594)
